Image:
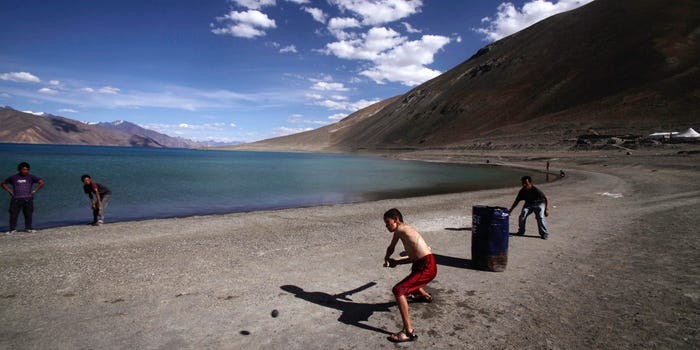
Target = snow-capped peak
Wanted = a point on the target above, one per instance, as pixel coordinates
(41, 114)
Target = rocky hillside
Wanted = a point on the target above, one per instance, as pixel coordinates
(21, 127)
(612, 66)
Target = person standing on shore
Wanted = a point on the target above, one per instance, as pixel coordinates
(424, 269)
(99, 196)
(22, 194)
(535, 202)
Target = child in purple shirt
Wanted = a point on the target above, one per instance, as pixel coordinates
(22, 193)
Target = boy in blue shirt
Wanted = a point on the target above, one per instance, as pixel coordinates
(22, 193)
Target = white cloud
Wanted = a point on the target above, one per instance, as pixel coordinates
(316, 13)
(54, 82)
(48, 91)
(290, 48)
(178, 128)
(67, 110)
(326, 86)
(5, 94)
(368, 47)
(337, 116)
(254, 4)
(395, 59)
(343, 22)
(410, 29)
(20, 77)
(219, 131)
(410, 75)
(376, 12)
(247, 24)
(108, 90)
(339, 97)
(338, 25)
(345, 105)
(509, 19)
(314, 96)
(284, 131)
(298, 119)
(300, 2)
(166, 97)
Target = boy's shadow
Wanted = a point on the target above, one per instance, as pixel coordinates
(526, 236)
(352, 313)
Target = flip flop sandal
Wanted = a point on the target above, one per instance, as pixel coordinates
(407, 336)
(421, 298)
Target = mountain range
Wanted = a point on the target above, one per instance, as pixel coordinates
(609, 67)
(29, 127)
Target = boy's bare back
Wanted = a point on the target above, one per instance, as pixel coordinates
(413, 242)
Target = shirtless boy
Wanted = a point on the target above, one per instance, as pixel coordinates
(423, 270)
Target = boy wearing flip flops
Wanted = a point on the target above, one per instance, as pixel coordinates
(423, 270)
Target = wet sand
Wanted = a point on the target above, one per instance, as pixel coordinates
(621, 269)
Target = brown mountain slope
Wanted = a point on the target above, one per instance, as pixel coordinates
(614, 66)
(321, 139)
(20, 127)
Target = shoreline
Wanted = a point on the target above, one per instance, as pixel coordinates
(610, 276)
(366, 197)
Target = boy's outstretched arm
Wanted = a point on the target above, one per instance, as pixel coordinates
(390, 248)
(515, 204)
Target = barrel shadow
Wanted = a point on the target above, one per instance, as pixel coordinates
(451, 261)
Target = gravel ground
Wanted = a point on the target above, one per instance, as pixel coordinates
(620, 270)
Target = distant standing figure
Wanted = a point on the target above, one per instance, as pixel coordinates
(535, 201)
(99, 196)
(424, 270)
(22, 196)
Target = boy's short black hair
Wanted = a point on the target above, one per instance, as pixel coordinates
(393, 213)
(86, 176)
(526, 177)
(23, 165)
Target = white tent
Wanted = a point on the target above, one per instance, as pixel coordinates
(688, 134)
(663, 134)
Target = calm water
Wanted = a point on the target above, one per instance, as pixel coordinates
(159, 183)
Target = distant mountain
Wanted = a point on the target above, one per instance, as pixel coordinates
(23, 127)
(612, 66)
(221, 143)
(162, 139)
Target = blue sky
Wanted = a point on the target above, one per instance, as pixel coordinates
(238, 70)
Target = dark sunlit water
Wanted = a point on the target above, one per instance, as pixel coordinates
(159, 183)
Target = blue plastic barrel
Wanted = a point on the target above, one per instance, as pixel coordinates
(490, 237)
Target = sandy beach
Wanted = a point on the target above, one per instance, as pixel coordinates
(621, 270)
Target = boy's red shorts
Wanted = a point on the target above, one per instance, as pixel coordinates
(422, 272)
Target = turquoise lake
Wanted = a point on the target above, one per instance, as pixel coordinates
(160, 183)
